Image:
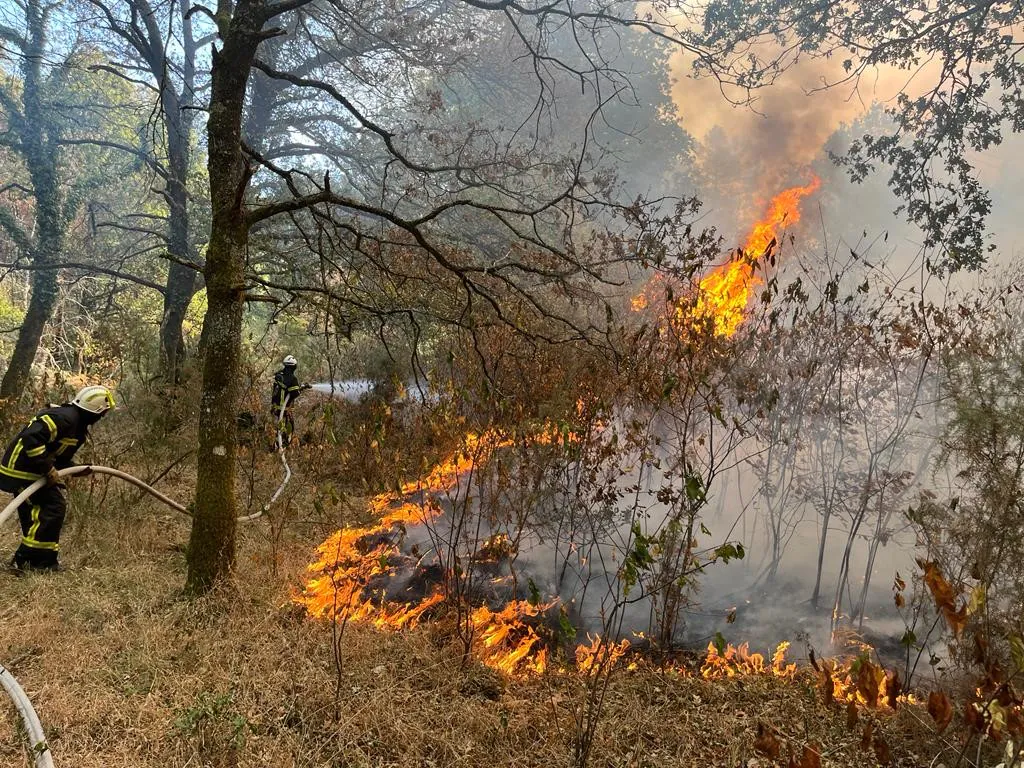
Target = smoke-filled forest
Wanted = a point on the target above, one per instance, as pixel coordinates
(422, 383)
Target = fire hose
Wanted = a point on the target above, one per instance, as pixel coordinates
(94, 468)
(33, 728)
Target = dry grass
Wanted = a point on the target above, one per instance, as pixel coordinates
(125, 672)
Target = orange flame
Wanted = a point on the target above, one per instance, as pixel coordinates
(505, 642)
(724, 293)
(599, 654)
(351, 558)
(737, 661)
(347, 561)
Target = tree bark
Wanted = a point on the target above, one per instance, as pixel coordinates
(180, 289)
(178, 119)
(40, 309)
(211, 551)
(181, 279)
(39, 149)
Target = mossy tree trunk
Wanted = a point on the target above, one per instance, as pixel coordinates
(38, 144)
(211, 550)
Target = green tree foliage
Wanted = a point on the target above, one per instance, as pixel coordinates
(963, 92)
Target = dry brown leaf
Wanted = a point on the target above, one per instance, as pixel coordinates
(980, 649)
(973, 717)
(851, 715)
(828, 691)
(940, 708)
(811, 757)
(944, 596)
(865, 739)
(766, 743)
(893, 689)
(882, 751)
(869, 678)
(1015, 722)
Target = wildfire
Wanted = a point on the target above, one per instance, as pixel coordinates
(353, 575)
(507, 643)
(738, 661)
(599, 654)
(353, 560)
(725, 292)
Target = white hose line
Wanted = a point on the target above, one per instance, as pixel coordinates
(71, 471)
(287, 472)
(33, 728)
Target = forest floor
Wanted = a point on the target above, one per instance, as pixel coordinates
(124, 671)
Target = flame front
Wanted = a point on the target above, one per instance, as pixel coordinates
(738, 661)
(723, 294)
(352, 560)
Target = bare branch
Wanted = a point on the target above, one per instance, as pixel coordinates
(85, 268)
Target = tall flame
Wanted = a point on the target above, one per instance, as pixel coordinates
(725, 292)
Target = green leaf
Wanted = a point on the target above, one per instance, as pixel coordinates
(534, 598)
(719, 642)
(729, 551)
(695, 488)
(1017, 652)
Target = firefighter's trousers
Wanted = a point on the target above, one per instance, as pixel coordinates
(41, 516)
(285, 426)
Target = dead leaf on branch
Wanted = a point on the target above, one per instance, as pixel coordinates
(898, 586)
(882, 751)
(867, 736)
(851, 715)
(940, 708)
(766, 743)
(828, 691)
(811, 758)
(869, 681)
(944, 596)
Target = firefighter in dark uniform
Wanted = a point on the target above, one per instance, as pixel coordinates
(47, 444)
(286, 389)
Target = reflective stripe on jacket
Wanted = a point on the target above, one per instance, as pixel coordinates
(286, 388)
(50, 439)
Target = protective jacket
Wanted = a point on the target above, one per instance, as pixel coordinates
(286, 389)
(50, 439)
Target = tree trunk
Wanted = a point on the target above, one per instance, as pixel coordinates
(40, 309)
(211, 551)
(181, 284)
(181, 280)
(37, 134)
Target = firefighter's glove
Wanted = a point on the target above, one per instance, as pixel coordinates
(52, 478)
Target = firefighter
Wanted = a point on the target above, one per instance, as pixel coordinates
(286, 389)
(47, 444)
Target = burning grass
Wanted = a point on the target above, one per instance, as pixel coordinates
(125, 672)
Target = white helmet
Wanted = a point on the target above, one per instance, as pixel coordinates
(290, 361)
(94, 399)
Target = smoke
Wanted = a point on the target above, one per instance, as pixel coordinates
(789, 122)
